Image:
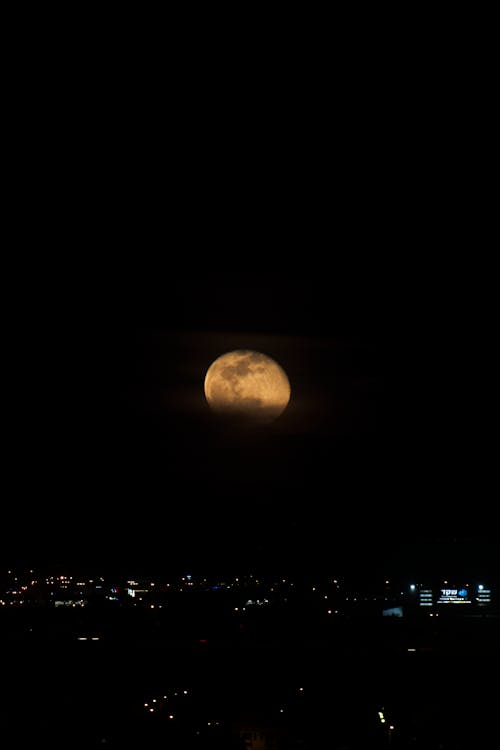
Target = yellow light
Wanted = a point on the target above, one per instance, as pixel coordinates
(382, 721)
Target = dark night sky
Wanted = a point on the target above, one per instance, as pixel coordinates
(117, 459)
(335, 232)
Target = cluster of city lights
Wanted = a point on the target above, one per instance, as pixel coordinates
(169, 706)
(383, 720)
(164, 703)
(331, 597)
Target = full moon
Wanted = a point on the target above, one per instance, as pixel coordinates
(247, 385)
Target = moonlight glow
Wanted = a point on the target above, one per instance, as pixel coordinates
(247, 384)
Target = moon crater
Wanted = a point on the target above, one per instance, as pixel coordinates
(247, 385)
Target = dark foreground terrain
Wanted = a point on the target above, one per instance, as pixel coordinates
(146, 687)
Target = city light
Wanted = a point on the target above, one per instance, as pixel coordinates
(209, 606)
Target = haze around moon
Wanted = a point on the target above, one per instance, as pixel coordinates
(247, 385)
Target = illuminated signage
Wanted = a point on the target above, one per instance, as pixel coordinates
(454, 596)
(426, 597)
(484, 596)
(477, 594)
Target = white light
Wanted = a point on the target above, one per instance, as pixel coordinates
(391, 727)
(412, 649)
(171, 716)
(382, 721)
(480, 587)
(151, 710)
(412, 587)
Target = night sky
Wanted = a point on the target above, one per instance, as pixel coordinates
(117, 461)
(335, 225)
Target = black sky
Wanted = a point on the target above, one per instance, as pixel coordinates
(376, 463)
(335, 222)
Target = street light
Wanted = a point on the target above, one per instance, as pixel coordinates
(391, 729)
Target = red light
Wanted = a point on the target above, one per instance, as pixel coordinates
(203, 640)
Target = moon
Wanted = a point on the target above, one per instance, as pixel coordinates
(248, 386)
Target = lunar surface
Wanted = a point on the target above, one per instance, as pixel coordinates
(247, 385)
